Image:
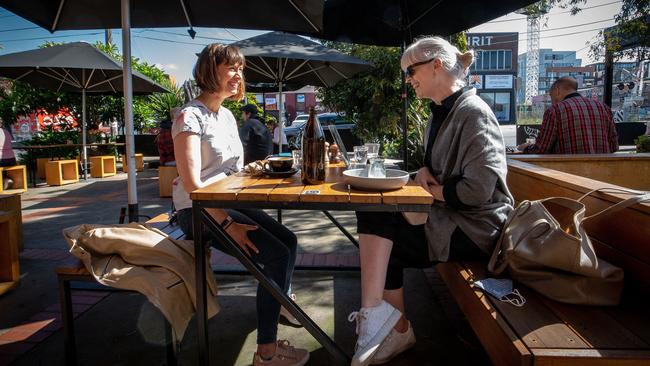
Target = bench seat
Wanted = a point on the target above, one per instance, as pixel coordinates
(546, 332)
(76, 271)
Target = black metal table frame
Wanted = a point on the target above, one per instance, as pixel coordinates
(200, 217)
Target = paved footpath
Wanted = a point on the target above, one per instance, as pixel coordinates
(122, 328)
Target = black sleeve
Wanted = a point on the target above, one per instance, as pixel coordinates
(450, 194)
(244, 133)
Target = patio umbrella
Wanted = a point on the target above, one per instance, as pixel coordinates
(73, 67)
(289, 15)
(282, 58)
(397, 22)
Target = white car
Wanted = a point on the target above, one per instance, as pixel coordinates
(300, 120)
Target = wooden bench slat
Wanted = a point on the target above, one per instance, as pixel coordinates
(500, 342)
(590, 357)
(535, 324)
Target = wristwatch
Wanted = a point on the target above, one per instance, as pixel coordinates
(227, 222)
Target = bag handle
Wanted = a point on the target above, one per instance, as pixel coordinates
(640, 196)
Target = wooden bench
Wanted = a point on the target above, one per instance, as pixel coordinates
(77, 272)
(625, 170)
(545, 332)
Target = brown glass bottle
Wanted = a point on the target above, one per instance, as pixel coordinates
(313, 151)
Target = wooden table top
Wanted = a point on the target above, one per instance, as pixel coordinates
(292, 190)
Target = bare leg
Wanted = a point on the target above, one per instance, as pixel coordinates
(266, 350)
(396, 298)
(375, 252)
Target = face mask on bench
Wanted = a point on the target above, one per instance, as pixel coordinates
(502, 290)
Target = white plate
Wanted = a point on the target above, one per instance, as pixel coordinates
(358, 178)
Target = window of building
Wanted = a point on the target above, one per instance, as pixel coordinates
(493, 60)
(500, 104)
(300, 103)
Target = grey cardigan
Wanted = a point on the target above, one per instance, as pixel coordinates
(469, 148)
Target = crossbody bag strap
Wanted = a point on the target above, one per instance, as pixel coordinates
(639, 196)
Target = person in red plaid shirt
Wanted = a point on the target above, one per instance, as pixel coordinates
(574, 124)
(165, 143)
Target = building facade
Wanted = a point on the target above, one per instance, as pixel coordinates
(552, 65)
(494, 71)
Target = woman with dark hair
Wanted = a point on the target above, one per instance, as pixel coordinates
(207, 148)
(465, 172)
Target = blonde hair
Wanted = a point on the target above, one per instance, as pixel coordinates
(456, 63)
(207, 66)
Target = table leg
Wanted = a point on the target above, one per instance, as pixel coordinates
(201, 299)
(272, 287)
(343, 230)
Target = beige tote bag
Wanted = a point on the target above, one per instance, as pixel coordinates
(544, 246)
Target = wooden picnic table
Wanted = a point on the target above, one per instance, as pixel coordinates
(239, 191)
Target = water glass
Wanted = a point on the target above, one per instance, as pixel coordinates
(373, 149)
(360, 154)
(377, 168)
(297, 158)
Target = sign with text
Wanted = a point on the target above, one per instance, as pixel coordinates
(271, 104)
(498, 81)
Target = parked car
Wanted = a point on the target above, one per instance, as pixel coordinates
(299, 120)
(343, 126)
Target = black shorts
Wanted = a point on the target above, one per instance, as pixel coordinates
(410, 247)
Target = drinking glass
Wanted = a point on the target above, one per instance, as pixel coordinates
(360, 154)
(377, 168)
(373, 149)
(297, 158)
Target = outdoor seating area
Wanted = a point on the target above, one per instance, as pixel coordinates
(324, 183)
(545, 331)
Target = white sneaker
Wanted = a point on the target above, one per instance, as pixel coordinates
(394, 344)
(373, 326)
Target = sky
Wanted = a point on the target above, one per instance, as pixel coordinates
(174, 51)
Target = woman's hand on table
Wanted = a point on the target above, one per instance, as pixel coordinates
(239, 233)
(429, 183)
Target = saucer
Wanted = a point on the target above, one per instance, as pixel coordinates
(272, 174)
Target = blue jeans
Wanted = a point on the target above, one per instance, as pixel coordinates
(277, 246)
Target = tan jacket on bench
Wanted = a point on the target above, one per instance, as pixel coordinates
(144, 259)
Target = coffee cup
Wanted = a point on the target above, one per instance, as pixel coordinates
(279, 163)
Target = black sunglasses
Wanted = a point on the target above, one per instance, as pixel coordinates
(410, 70)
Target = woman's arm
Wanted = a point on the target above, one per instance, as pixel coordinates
(187, 149)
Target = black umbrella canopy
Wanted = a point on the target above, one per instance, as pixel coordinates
(282, 57)
(394, 22)
(72, 67)
(289, 15)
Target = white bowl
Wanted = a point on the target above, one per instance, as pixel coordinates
(358, 178)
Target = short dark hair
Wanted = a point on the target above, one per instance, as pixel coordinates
(566, 83)
(205, 71)
(250, 108)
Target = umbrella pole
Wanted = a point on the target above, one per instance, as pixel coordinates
(280, 119)
(128, 111)
(84, 155)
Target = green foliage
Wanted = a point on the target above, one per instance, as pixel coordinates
(49, 136)
(162, 103)
(642, 144)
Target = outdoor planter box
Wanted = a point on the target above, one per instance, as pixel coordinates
(18, 174)
(60, 172)
(9, 265)
(139, 163)
(102, 166)
(166, 175)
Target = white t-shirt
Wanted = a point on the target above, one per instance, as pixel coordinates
(276, 136)
(221, 149)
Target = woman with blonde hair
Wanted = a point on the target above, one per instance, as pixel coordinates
(465, 172)
(207, 148)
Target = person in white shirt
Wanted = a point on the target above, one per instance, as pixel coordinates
(276, 138)
(207, 148)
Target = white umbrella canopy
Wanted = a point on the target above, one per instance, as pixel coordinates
(73, 67)
(304, 16)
